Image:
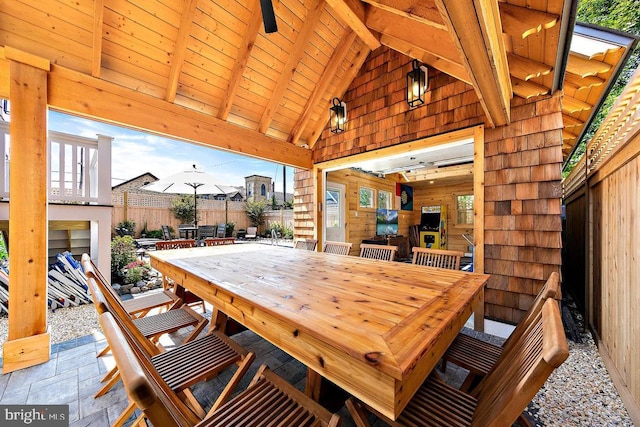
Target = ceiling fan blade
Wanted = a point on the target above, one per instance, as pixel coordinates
(268, 16)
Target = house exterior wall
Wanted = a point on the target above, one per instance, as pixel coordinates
(522, 169)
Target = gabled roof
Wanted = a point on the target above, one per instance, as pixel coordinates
(261, 94)
(149, 175)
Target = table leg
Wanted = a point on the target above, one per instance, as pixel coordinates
(312, 384)
(478, 314)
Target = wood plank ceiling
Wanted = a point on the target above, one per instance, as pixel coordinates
(213, 57)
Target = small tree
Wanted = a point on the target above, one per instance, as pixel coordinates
(255, 211)
(183, 208)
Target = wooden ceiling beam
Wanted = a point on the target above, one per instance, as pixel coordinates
(579, 83)
(77, 93)
(439, 173)
(412, 51)
(179, 50)
(570, 121)
(345, 82)
(98, 22)
(320, 90)
(521, 22)
(423, 11)
(476, 29)
(244, 52)
(352, 13)
(310, 22)
(432, 40)
(526, 69)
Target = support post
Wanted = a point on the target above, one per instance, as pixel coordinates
(29, 341)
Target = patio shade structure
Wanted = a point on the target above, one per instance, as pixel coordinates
(186, 182)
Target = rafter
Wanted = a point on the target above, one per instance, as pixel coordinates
(423, 11)
(289, 69)
(579, 83)
(98, 21)
(476, 29)
(526, 69)
(319, 91)
(522, 22)
(244, 52)
(570, 121)
(584, 67)
(345, 82)
(432, 40)
(352, 13)
(186, 21)
(77, 93)
(527, 89)
(572, 105)
(454, 70)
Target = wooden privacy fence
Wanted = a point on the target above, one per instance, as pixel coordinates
(155, 209)
(602, 241)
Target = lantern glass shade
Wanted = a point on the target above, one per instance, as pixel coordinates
(416, 85)
(337, 116)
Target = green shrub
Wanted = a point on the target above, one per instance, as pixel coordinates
(281, 230)
(183, 208)
(129, 227)
(255, 211)
(229, 230)
(135, 272)
(154, 234)
(123, 252)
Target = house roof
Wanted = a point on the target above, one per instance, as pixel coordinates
(232, 86)
(146, 174)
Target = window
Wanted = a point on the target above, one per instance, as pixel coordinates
(367, 197)
(263, 190)
(332, 213)
(464, 209)
(384, 200)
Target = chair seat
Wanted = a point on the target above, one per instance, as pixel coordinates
(195, 361)
(167, 322)
(149, 302)
(473, 354)
(437, 403)
(266, 403)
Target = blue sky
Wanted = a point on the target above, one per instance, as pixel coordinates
(134, 153)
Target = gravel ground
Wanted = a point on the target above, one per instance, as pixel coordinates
(579, 393)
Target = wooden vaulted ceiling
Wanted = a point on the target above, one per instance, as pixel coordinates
(213, 58)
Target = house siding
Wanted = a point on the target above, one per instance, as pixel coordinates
(522, 168)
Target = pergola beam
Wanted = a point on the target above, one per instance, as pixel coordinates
(180, 49)
(352, 13)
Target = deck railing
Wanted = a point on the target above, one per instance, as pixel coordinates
(79, 168)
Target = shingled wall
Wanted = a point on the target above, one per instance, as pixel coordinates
(522, 168)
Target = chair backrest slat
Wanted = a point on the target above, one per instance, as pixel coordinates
(522, 369)
(440, 258)
(382, 252)
(339, 248)
(306, 244)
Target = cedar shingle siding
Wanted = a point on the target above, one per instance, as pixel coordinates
(522, 168)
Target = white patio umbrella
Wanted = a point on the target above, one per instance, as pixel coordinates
(186, 182)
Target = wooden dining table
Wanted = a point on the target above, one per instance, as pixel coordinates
(374, 328)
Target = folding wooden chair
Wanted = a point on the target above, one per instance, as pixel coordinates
(437, 258)
(502, 395)
(187, 364)
(339, 248)
(383, 252)
(268, 400)
(478, 356)
(143, 304)
(305, 244)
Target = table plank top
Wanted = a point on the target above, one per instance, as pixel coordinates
(337, 314)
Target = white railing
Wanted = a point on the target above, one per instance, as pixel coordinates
(79, 168)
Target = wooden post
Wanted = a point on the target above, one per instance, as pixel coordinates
(125, 202)
(29, 341)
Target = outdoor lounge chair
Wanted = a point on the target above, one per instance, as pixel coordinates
(252, 233)
(437, 258)
(269, 400)
(502, 395)
(479, 357)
